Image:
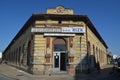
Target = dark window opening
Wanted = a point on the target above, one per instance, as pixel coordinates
(59, 21)
(59, 47)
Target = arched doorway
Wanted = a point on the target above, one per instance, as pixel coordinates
(59, 54)
(89, 53)
(94, 59)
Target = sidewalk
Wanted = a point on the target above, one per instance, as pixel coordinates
(16, 74)
(94, 75)
(106, 73)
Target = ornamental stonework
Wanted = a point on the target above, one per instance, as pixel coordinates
(59, 10)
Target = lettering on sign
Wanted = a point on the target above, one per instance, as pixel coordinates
(59, 29)
(73, 29)
(43, 29)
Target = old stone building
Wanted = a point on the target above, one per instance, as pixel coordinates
(58, 40)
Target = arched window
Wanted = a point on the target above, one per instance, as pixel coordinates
(59, 44)
(97, 52)
(93, 50)
(28, 53)
(89, 48)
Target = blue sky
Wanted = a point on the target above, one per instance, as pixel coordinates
(104, 14)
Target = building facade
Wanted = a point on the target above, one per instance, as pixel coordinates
(0, 57)
(58, 40)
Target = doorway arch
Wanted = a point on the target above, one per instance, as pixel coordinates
(59, 54)
(59, 44)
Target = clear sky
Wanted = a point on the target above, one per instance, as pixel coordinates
(104, 14)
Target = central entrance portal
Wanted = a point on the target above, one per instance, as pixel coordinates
(59, 61)
(59, 55)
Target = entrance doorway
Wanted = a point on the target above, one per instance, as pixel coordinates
(63, 61)
(59, 55)
(59, 61)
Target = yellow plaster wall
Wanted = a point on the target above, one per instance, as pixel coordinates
(102, 51)
(39, 51)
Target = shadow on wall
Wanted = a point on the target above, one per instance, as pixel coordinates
(108, 72)
(85, 66)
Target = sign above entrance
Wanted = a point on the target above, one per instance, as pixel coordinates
(46, 29)
(73, 29)
(58, 34)
(59, 30)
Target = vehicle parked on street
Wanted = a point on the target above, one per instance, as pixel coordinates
(118, 63)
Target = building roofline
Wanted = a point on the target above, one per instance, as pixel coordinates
(57, 17)
(74, 18)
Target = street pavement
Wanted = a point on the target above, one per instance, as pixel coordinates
(4, 77)
(11, 73)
